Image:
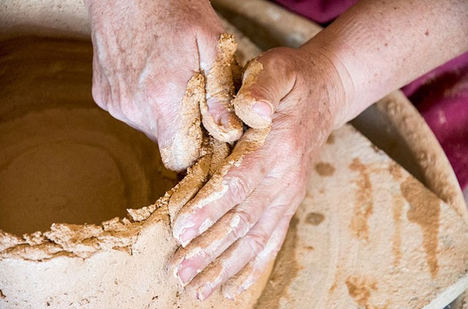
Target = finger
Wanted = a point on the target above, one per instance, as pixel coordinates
(217, 113)
(258, 265)
(189, 185)
(240, 173)
(220, 151)
(180, 150)
(189, 261)
(265, 82)
(212, 153)
(241, 252)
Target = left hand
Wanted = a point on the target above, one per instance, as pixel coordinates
(242, 214)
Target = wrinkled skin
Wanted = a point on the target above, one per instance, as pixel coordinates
(145, 52)
(141, 69)
(265, 189)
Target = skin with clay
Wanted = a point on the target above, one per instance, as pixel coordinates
(147, 51)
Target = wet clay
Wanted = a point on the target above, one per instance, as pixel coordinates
(424, 211)
(314, 218)
(67, 162)
(360, 289)
(363, 207)
(220, 80)
(324, 169)
(60, 167)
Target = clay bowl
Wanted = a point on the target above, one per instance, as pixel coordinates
(69, 172)
(85, 200)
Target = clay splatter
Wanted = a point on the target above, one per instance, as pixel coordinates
(424, 211)
(360, 290)
(2, 296)
(397, 212)
(314, 218)
(284, 271)
(324, 169)
(363, 206)
(395, 170)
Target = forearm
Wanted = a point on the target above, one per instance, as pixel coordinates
(379, 46)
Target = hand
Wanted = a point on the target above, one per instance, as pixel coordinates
(147, 55)
(241, 216)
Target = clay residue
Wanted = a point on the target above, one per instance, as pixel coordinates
(331, 139)
(220, 91)
(397, 212)
(215, 188)
(284, 271)
(244, 99)
(395, 170)
(360, 289)
(314, 218)
(185, 146)
(189, 185)
(324, 169)
(363, 206)
(74, 165)
(424, 211)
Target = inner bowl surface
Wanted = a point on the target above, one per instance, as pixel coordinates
(62, 158)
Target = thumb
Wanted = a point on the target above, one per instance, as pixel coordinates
(266, 81)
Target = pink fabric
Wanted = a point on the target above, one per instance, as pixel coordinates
(441, 96)
(320, 11)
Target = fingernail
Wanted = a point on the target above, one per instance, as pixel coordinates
(225, 119)
(187, 236)
(263, 109)
(203, 292)
(186, 274)
(217, 111)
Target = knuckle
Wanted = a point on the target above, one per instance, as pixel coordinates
(243, 224)
(257, 241)
(238, 188)
(98, 95)
(290, 149)
(280, 59)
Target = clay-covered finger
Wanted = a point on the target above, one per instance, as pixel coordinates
(258, 265)
(217, 113)
(234, 180)
(182, 149)
(265, 83)
(242, 251)
(212, 154)
(189, 261)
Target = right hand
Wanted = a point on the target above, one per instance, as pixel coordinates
(145, 54)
